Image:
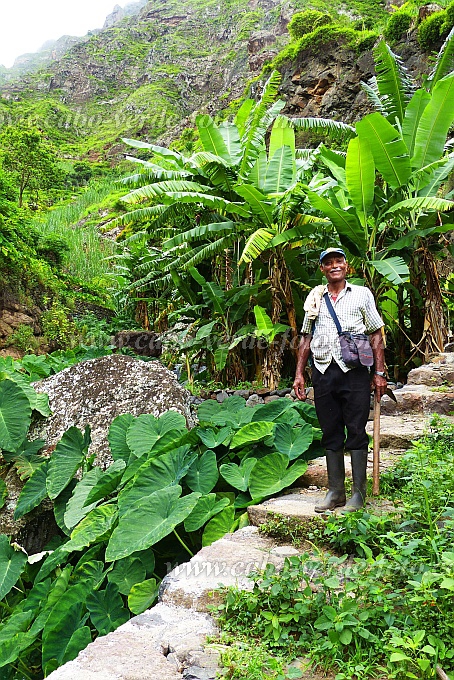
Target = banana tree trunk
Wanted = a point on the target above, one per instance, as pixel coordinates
(435, 330)
(272, 363)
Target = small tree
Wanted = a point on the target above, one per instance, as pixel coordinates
(31, 160)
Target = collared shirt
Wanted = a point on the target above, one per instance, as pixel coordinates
(357, 313)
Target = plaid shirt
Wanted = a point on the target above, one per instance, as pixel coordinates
(357, 313)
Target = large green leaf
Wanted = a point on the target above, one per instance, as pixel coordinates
(95, 525)
(360, 176)
(66, 460)
(79, 640)
(143, 595)
(292, 441)
(258, 171)
(76, 508)
(413, 114)
(3, 493)
(271, 474)
(238, 475)
(15, 415)
(434, 124)
(207, 507)
(280, 173)
(146, 431)
(346, 223)
(126, 573)
(211, 138)
(282, 134)
(257, 243)
(117, 437)
(12, 563)
(335, 162)
(273, 410)
(163, 471)
(388, 149)
(394, 269)
(56, 640)
(444, 62)
(203, 473)
(33, 492)
(438, 172)
(107, 483)
(423, 203)
(106, 609)
(231, 136)
(14, 637)
(252, 433)
(211, 291)
(156, 517)
(212, 438)
(392, 81)
(219, 526)
(256, 202)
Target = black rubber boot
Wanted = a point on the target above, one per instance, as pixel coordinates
(359, 473)
(335, 497)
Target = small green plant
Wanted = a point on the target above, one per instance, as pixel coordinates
(306, 22)
(432, 30)
(24, 339)
(398, 24)
(58, 327)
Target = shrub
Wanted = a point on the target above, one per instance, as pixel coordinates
(24, 338)
(306, 22)
(431, 30)
(53, 248)
(449, 18)
(398, 23)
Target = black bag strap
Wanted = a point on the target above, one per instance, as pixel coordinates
(333, 313)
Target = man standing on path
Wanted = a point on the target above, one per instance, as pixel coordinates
(341, 394)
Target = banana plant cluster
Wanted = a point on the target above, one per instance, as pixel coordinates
(168, 491)
(259, 205)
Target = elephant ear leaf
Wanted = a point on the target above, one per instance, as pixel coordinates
(66, 460)
(15, 415)
(238, 475)
(117, 437)
(271, 474)
(12, 563)
(293, 441)
(106, 609)
(33, 492)
(219, 526)
(203, 473)
(156, 517)
(206, 508)
(252, 432)
(143, 595)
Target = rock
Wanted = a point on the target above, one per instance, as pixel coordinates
(152, 645)
(242, 393)
(284, 392)
(398, 432)
(272, 397)
(222, 396)
(226, 562)
(144, 343)
(426, 10)
(439, 371)
(299, 504)
(95, 392)
(254, 400)
(419, 399)
(449, 347)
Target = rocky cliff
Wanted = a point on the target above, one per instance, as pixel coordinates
(146, 74)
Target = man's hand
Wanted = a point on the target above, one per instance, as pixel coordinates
(379, 384)
(300, 388)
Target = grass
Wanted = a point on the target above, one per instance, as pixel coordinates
(88, 251)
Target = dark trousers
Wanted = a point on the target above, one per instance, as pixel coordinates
(342, 402)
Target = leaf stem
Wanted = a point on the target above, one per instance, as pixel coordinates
(183, 544)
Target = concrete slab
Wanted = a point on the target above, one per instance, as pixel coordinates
(227, 562)
(299, 505)
(158, 644)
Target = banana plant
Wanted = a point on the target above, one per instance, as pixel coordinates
(385, 204)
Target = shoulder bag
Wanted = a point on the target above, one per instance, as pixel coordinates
(355, 347)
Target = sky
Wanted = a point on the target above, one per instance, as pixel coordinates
(26, 24)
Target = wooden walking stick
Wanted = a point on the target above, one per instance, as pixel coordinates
(376, 459)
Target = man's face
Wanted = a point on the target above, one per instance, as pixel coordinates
(334, 267)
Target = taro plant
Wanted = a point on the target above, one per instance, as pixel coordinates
(167, 492)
